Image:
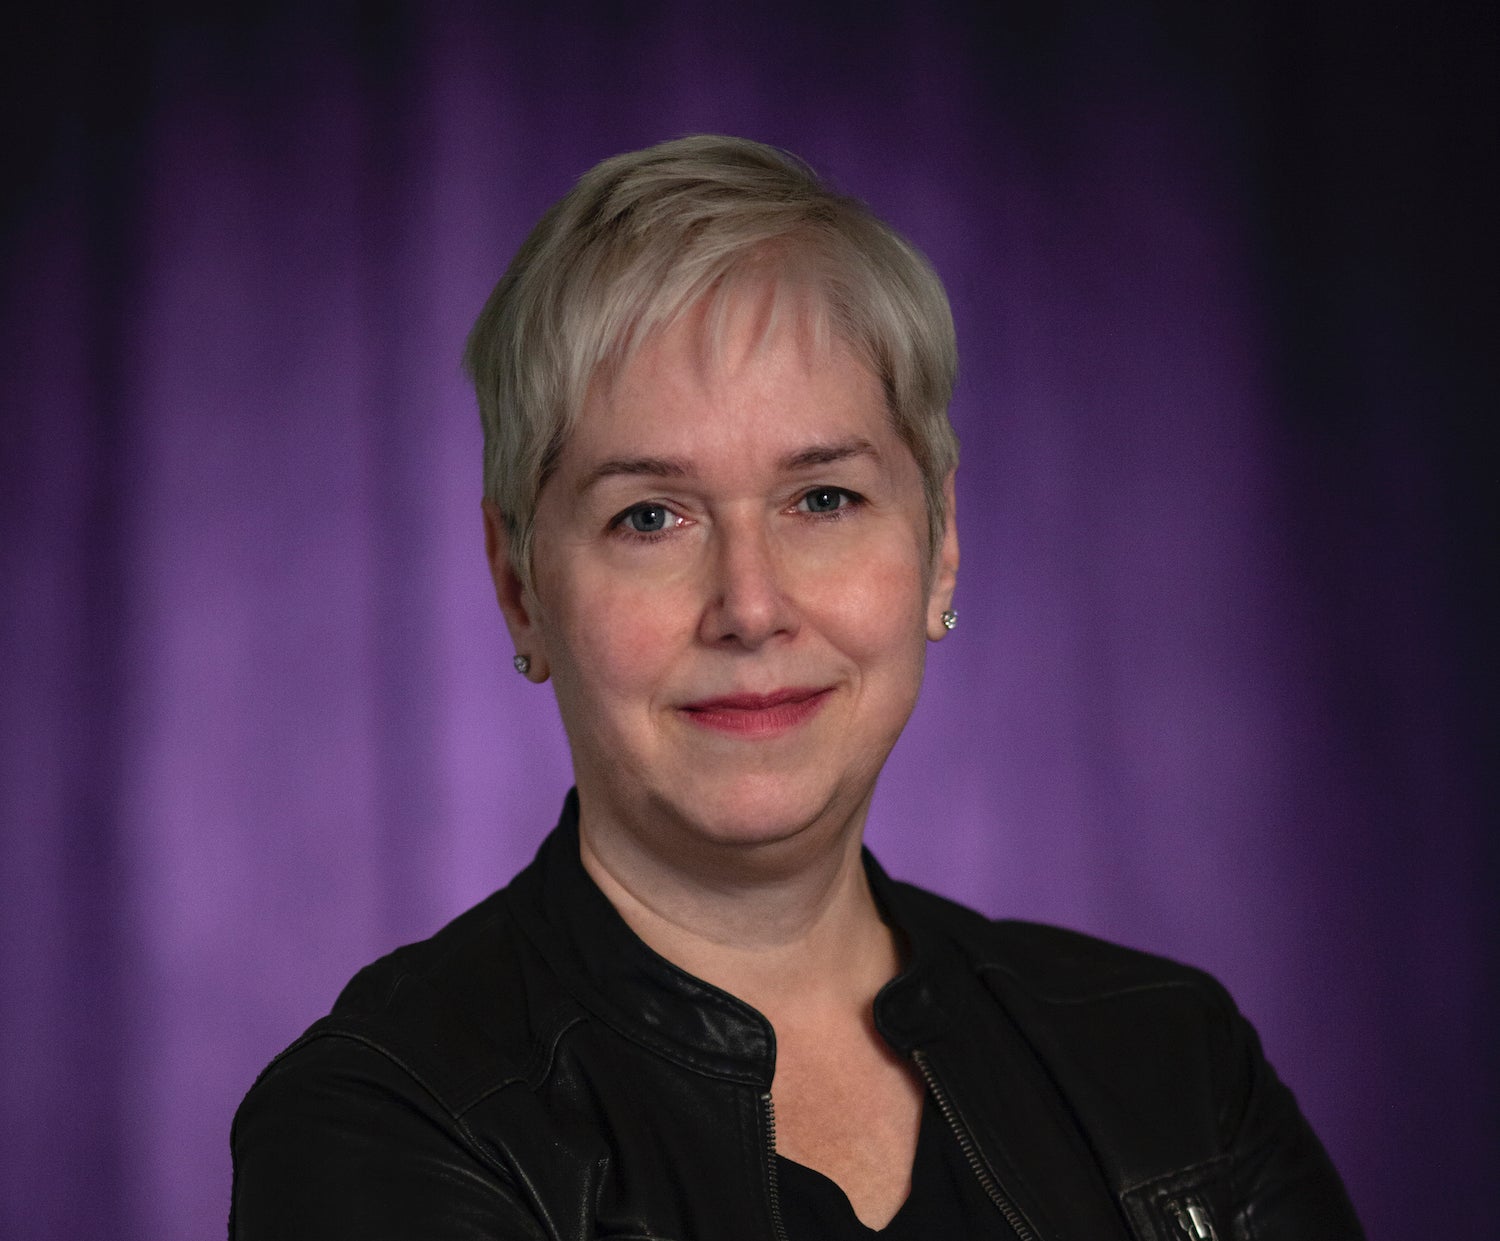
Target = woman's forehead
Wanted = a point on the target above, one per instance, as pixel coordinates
(764, 411)
(753, 370)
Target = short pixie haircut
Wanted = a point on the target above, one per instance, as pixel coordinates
(646, 236)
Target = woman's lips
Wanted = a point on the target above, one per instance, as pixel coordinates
(757, 714)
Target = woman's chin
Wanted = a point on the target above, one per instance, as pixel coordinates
(707, 817)
(766, 812)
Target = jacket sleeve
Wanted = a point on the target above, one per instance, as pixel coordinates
(1284, 1186)
(337, 1140)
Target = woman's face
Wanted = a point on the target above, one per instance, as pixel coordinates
(732, 589)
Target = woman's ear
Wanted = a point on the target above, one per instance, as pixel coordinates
(945, 570)
(517, 602)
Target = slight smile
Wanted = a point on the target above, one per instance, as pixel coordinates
(757, 715)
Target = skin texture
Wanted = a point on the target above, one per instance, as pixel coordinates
(733, 596)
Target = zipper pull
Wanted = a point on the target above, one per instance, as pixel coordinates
(1192, 1219)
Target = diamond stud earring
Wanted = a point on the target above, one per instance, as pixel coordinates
(523, 663)
(949, 618)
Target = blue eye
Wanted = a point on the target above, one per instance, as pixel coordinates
(825, 500)
(647, 519)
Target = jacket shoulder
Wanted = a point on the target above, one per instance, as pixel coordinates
(1052, 963)
(458, 1015)
(471, 947)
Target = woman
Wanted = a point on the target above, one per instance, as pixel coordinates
(719, 516)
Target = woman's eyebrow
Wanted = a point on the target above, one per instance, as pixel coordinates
(827, 454)
(656, 467)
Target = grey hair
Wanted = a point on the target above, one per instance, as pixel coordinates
(644, 237)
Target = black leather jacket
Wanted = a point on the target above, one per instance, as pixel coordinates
(535, 1071)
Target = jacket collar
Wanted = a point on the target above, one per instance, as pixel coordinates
(644, 997)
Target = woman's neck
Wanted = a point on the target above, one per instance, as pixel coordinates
(808, 937)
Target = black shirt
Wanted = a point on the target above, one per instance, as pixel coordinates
(946, 1198)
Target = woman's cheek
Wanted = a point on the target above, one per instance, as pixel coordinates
(635, 633)
(878, 605)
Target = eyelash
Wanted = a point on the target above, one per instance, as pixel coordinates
(618, 524)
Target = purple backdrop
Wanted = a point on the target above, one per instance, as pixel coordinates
(1220, 679)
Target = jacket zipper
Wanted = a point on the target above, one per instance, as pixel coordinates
(1007, 1208)
(768, 1108)
(1192, 1219)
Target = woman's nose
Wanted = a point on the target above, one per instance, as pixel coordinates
(747, 602)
